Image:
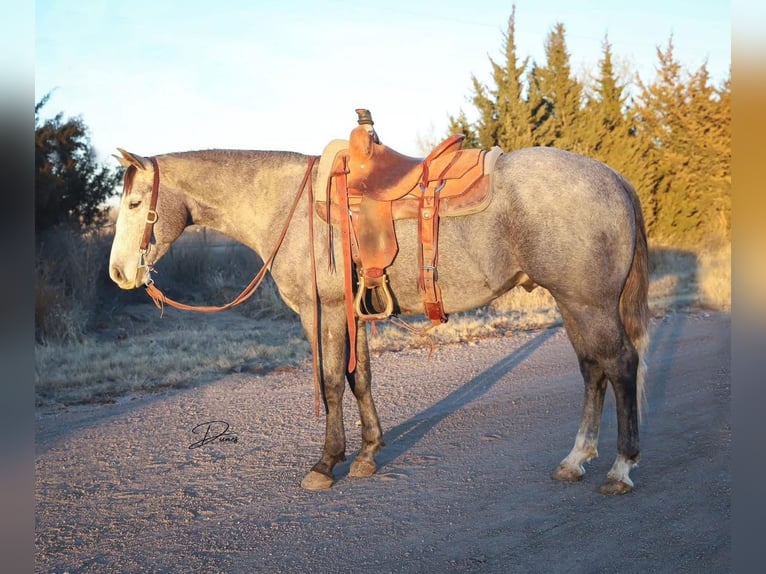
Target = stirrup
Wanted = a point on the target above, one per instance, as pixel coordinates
(361, 290)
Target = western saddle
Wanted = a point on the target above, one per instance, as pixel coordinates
(369, 186)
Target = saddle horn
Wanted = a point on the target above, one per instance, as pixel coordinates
(364, 118)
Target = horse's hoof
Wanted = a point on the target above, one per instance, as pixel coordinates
(568, 473)
(317, 481)
(613, 486)
(362, 468)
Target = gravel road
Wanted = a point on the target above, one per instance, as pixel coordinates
(464, 485)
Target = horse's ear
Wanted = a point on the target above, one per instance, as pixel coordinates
(127, 159)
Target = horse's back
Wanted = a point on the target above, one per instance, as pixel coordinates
(571, 218)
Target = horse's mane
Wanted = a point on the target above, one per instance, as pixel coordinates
(210, 154)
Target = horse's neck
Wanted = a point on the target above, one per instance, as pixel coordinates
(238, 193)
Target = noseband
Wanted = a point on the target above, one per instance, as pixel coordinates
(151, 219)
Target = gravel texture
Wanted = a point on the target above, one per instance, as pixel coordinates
(473, 434)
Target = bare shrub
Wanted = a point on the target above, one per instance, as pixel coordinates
(70, 273)
(203, 267)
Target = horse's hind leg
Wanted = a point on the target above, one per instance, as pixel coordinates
(622, 372)
(604, 353)
(360, 383)
(586, 442)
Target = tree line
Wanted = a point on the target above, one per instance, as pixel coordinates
(671, 138)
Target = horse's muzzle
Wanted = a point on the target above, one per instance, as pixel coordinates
(123, 281)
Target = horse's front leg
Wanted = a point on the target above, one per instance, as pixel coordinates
(360, 382)
(333, 353)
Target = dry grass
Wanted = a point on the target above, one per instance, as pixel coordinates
(715, 278)
(154, 353)
(688, 279)
(517, 310)
(96, 343)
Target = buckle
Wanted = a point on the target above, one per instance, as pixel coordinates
(151, 217)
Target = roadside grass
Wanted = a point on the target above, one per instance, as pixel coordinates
(715, 278)
(99, 344)
(174, 354)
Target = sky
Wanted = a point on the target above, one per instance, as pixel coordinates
(155, 76)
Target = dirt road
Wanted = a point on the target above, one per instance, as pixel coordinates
(463, 484)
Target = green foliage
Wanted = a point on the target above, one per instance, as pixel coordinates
(70, 187)
(460, 125)
(609, 130)
(505, 118)
(673, 142)
(560, 95)
(689, 125)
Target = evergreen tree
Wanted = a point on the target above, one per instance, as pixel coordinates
(515, 126)
(540, 110)
(70, 187)
(461, 125)
(657, 117)
(709, 133)
(609, 131)
(504, 118)
(606, 106)
(673, 143)
(561, 95)
(689, 124)
(487, 126)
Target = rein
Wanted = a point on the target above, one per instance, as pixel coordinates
(161, 299)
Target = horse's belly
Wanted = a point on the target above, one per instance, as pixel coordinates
(475, 264)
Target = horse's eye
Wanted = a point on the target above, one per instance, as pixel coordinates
(133, 204)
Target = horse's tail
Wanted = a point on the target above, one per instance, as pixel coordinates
(634, 300)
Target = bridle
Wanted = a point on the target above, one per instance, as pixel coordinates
(151, 219)
(161, 299)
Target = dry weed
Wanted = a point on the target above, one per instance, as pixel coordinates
(80, 364)
(715, 278)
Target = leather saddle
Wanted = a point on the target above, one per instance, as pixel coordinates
(370, 185)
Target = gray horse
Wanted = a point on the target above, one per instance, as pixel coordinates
(556, 219)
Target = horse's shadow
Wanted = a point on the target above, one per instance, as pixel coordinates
(682, 270)
(663, 340)
(407, 434)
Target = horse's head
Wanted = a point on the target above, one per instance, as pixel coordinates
(142, 234)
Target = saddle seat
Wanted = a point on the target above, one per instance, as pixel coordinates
(463, 172)
(383, 174)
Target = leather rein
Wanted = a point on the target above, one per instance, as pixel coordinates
(160, 299)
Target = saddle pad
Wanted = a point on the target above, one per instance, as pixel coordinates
(456, 206)
(326, 161)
